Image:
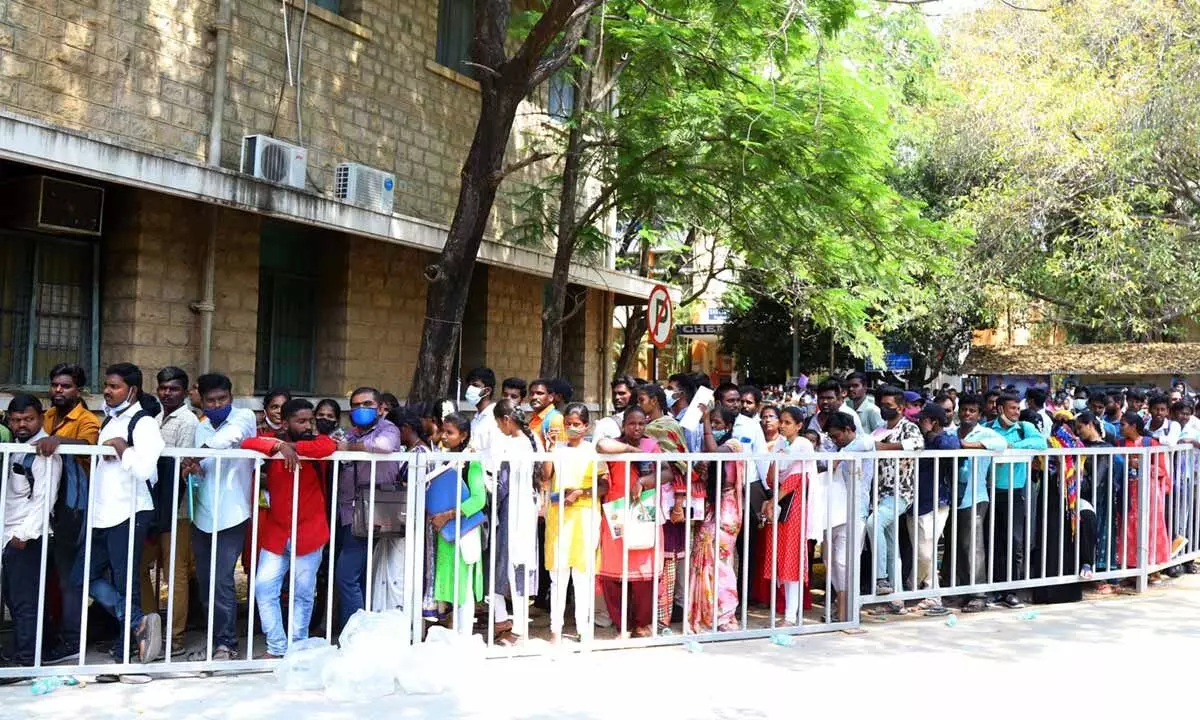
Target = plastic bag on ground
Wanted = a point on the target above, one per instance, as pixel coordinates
(351, 677)
(440, 664)
(376, 632)
(303, 664)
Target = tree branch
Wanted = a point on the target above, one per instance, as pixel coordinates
(544, 62)
(514, 167)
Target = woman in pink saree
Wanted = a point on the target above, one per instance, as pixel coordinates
(714, 580)
(1133, 435)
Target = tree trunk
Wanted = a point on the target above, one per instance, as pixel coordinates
(503, 83)
(554, 307)
(631, 342)
(450, 277)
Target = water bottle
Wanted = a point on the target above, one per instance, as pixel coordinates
(47, 685)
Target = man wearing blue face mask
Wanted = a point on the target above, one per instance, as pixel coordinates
(219, 500)
(370, 432)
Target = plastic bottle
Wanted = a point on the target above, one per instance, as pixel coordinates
(783, 640)
(47, 685)
(951, 621)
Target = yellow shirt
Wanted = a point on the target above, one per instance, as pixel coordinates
(575, 468)
(78, 424)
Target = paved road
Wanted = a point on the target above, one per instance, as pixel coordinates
(1121, 657)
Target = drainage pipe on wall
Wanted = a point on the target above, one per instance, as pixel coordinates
(206, 306)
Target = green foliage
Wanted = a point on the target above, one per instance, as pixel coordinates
(773, 129)
(1071, 147)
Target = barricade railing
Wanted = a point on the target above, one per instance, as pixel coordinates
(740, 550)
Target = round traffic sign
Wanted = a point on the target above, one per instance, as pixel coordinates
(659, 315)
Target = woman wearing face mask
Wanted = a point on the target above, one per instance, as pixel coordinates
(572, 523)
(328, 418)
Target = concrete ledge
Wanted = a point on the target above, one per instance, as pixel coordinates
(41, 144)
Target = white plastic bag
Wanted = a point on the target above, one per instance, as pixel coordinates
(303, 664)
(350, 677)
(444, 662)
(374, 632)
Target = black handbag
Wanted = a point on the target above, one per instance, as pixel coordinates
(390, 513)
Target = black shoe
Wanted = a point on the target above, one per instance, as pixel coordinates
(59, 654)
(1012, 601)
(1174, 572)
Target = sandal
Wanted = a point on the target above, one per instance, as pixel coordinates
(500, 629)
(937, 611)
(507, 639)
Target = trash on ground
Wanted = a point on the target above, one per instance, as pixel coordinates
(1030, 615)
(952, 621)
(694, 647)
(46, 685)
(304, 663)
(783, 640)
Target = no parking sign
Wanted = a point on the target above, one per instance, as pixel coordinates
(659, 316)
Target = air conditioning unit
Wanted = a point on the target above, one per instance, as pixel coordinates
(364, 186)
(273, 160)
(53, 205)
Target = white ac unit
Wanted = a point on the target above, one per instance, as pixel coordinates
(364, 186)
(266, 158)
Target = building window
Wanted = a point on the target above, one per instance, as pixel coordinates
(561, 101)
(48, 297)
(333, 6)
(456, 26)
(287, 308)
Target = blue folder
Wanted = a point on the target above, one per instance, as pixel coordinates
(440, 497)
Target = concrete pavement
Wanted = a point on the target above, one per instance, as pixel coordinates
(1105, 658)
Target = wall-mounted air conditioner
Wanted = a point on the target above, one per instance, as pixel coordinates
(52, 205)
(364, 186)
(266, 158)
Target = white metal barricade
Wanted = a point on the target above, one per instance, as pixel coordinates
(748, 525)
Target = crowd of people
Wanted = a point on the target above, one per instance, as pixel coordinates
(635, 544)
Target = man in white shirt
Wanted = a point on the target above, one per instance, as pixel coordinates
(851, 475)
(32, 489)
(480, 396)
(1160, 426)
(122, 506)
(219, 495)
(622, 395)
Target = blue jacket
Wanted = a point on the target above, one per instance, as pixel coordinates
(1019, 436)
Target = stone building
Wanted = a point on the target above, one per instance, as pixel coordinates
(129, 232)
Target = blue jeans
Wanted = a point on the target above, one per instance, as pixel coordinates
(269, 583)
(224, 612)
(110, 572)
(350, 574)
(884, 530)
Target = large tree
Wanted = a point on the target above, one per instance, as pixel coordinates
(1069, 144)
(509, 67)
(776, 147)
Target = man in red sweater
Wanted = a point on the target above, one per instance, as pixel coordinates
(287, 539)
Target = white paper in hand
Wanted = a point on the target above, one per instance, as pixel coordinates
(693, 415)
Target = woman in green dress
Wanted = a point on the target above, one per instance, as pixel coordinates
(458, 579)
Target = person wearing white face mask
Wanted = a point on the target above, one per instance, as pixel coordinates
(679, 391)
(480, 392)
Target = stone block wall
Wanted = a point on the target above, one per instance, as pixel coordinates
(140, 73)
